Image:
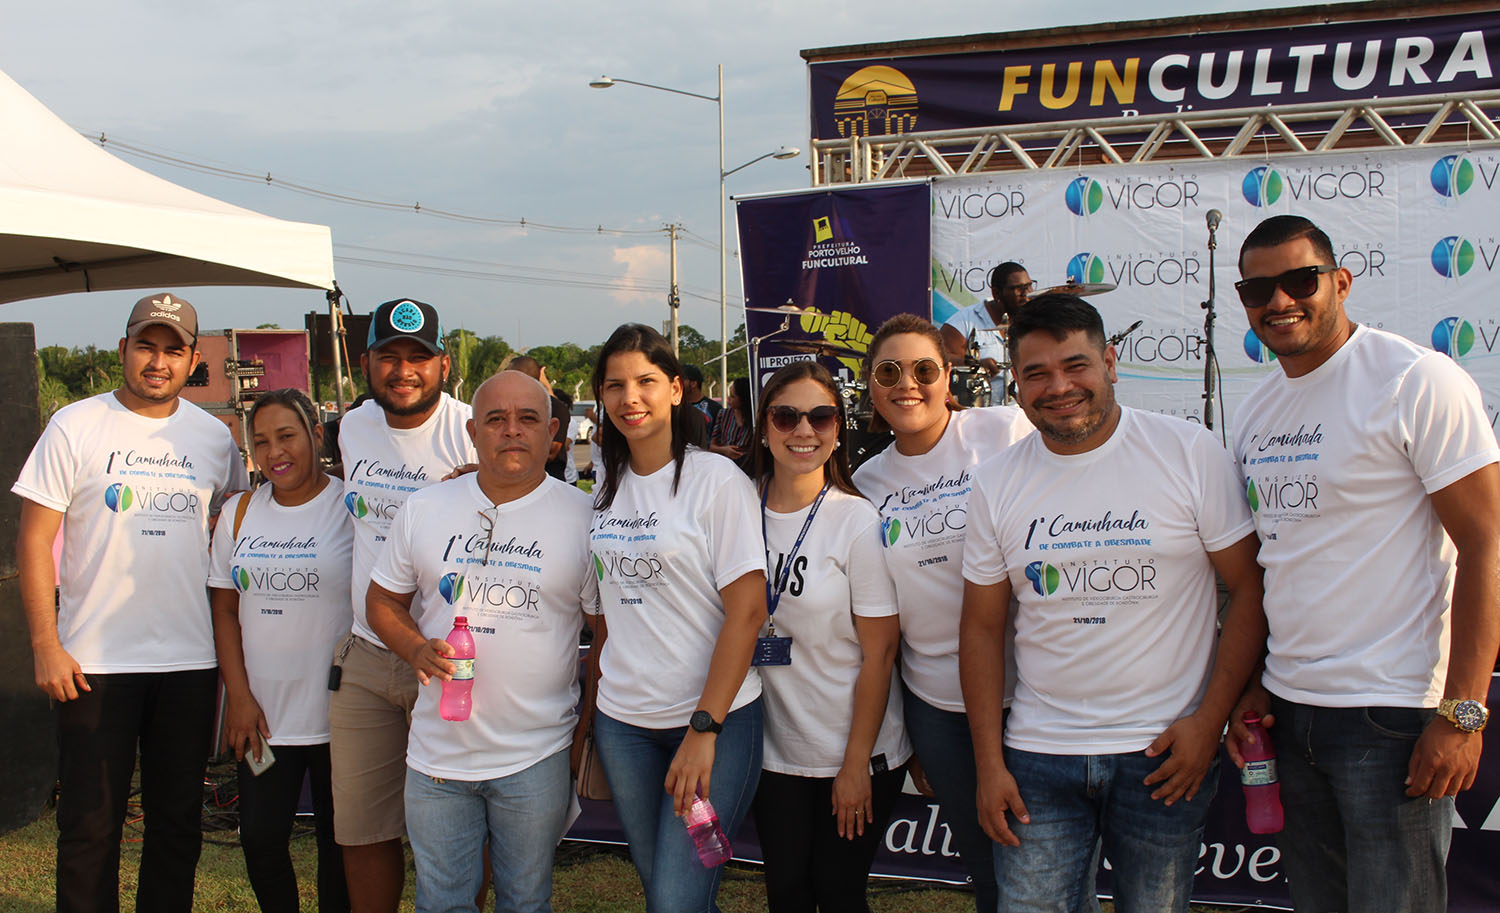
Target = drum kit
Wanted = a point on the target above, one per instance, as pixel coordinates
(971, 382)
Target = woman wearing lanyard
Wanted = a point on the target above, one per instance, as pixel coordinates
(921, 484)
(279, 578)
(681, 568)
(831, 774)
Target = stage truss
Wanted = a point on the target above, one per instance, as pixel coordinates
(1430, 121)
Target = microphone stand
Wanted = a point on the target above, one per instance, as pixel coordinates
(1210, 356)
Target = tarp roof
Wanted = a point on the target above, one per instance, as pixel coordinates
(74, 218)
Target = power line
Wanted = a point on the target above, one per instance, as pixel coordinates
(613, 285)
(350, 199)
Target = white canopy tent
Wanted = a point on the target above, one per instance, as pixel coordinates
(74, 218)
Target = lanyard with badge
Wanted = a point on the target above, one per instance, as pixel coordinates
(772, 650)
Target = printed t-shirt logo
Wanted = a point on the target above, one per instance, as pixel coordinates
(1044, 578)
(1084, 196)
(1262, 186)
(118, 497)
(1252, 496)
(598, 567)
(1452, 175)
(451, 587)
(241, 578)
(1453, 336)
(356, 505)
(892, 530)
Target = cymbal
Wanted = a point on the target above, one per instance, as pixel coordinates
(1080, 289)
(818, 347)
(781, 309)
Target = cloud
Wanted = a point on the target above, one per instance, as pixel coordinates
(644, 263)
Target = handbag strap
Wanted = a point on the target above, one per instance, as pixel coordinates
(239, 512)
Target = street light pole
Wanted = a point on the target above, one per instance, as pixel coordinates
(723, 260)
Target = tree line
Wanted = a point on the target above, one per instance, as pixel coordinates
(65, 375)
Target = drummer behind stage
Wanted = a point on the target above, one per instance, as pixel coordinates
(1010, 286)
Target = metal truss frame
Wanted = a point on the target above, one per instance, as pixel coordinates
(1430, 121)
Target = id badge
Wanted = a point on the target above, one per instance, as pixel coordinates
(772, 651)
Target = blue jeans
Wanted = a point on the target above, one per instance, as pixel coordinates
(522, 814)
(1077, 801)
(942, 742)
(1353, 840)
(635, 764)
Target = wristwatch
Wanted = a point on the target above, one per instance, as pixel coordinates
(703, 721)
(1466, 715)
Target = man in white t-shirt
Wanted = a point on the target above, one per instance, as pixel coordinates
(126, 646)
(1108, 525)
(1010, 286)
(507, 548)
(408, 436)
(1370, 466)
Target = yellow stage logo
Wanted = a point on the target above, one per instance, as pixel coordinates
(876, 100)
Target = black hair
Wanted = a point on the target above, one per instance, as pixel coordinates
(1058, 315)
(1279, 230)
(1002, 272)
(292, 399)
(741, 388)
(637, 337)
(836, 469)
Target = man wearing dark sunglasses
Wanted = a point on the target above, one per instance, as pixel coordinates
(1358, 456)
(1010, 286)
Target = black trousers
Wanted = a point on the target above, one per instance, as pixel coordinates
(168, 718)
(808, 865)
(268, 804)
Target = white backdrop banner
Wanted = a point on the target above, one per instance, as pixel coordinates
(1417, 229)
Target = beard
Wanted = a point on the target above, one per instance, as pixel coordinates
(384, 401)
(1081, 428)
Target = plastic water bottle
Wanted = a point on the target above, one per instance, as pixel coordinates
(1258, 777)
(456, 701)
(703, 826)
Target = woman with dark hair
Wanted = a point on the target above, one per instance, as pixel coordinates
(835, 744)
(733, 429)
(922, 484)
(279, 579)
(681, 567)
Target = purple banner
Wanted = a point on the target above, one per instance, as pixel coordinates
(1235, 866)
(856, 257)
(1216, 70)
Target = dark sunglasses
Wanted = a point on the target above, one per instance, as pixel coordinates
(786, 419)
(924, 371)
(1298, 283)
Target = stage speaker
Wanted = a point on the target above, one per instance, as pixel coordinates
(28, 729)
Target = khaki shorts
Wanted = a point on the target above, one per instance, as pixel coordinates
(369, 717)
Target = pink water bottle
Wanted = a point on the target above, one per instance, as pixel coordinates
(456, 702)
(1258, 777)
(703, 826)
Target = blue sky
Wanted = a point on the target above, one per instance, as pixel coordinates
(479, 108)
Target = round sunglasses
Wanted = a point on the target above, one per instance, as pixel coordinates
(923, 370)
(786, 419)
(1298, 283)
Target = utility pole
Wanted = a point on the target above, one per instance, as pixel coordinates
(673, 299)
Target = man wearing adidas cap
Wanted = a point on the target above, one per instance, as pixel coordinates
(126, 650)
(408, 436)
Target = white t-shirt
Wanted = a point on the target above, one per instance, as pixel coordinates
(838, 573)
(136, 494)
(382, 467)
(1338, 467)
(976, 319)
(524, 610)
(290, 567)
(922, 503)
(1107, 554)
(661, 560)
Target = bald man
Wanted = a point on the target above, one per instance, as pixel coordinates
(507, 548)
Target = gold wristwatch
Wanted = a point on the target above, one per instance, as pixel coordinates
(1466, 715)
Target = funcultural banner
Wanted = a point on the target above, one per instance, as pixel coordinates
(1340, 61)
(853, 256)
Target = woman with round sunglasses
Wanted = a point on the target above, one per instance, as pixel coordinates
(834, 742)
(681, 564)
(279, 587)
(921, 485)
